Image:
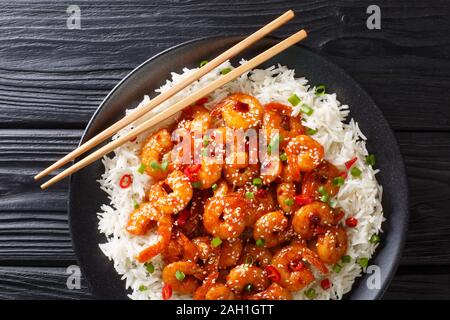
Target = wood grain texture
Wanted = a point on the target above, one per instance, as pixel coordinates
(53, 77)
(33, 224)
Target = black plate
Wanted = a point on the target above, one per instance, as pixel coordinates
(86, 196)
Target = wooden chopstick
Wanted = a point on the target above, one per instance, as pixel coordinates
(110, 131)
(163, 115)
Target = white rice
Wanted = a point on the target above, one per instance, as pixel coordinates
(360, 197)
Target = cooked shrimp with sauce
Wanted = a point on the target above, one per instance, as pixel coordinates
(245, 195)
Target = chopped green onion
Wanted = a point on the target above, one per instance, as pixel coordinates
(374, 238)
(355, 171)
(294, 99)
(370, 160)
(325, 197)
(320, 90)
(202, 63)
(310, 293)
(337, 268)
(249, 260)
(260, 242)
(289, 202)
(141, 168)
(283, 157)
(150, 267)
(142, 288)
(215, 242)
(225, 71)
(333, 203)
(250, 195)
(204, 152)
(306, 109)
(274, 143)
(214, 187)
(165, 165)
(311, 132)
(257, 182)
(363, 262)
(155, 165)
(180, 275)
(135, 204)
(338, 181)
(249, 287)
(322, 190)
(206, 141)
(196, 184)
(346, 259)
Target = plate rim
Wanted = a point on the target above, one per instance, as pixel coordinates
(403, 175)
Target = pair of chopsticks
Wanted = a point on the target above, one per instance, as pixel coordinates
(136, 114)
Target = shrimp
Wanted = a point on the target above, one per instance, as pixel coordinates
(164, 230)
(332, 245)
(221, 189)
(141, 219)
(273, 292)
(210, 172)
(207, 254)
(224, 216)
(310, 217)
(261, 257)
(193, 276)
(272, 228)
(239, 111)
(285, 197)
(258, 205)
(156, 145)
(271, 169)
(179, 197)
(201, 118)
(193, 226)
(180, 248)
(323, 176)
(247, 277)
(230, 253)
(289, 174)
(289, 262)
(237, 171)
(304, 153)
(277, 118)
(212, 290)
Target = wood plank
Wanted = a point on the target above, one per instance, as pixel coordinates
(33, 224)
(50, 283)
(419, 286)
(53, 77)
(34, 283)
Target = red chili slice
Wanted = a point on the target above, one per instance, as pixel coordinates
(166, 291)
(351, 222)
(302, 200)
(134, 139)
(349, 163)
(261, 192)
(183, 216)
(272, 273)
(201, 101)
(338, 216)
(325, 284)
(297, 267)
(191, 172)
(125, 181)
(343, 175)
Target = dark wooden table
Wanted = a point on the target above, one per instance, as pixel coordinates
(53, 78)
